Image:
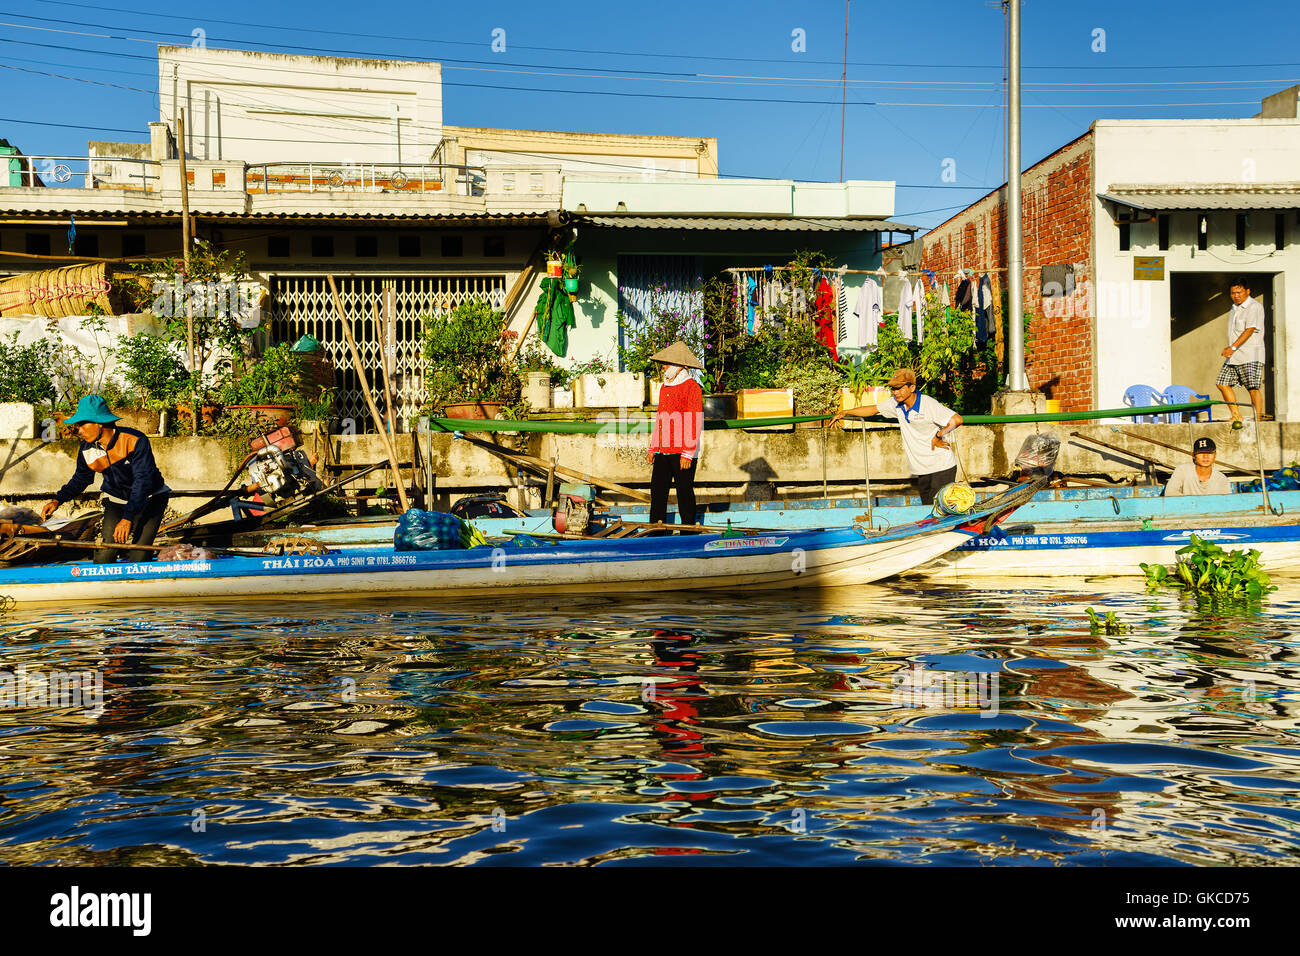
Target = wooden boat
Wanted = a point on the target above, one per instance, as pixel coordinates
(1076, 508)
(795, 559)
(1113, 548)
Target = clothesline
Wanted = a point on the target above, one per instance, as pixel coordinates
(748, 270)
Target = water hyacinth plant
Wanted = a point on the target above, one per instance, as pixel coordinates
(1205, 568)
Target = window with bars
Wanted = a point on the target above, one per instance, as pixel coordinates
(302, 305)
(647, 283)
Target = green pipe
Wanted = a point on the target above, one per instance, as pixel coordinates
(642, 426)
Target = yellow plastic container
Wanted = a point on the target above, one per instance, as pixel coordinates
(1053, 405)
(873, 395)
(765, 402)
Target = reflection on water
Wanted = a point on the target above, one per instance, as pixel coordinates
(944, 725)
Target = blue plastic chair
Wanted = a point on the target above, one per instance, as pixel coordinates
(1136, 396)
(1181, 395)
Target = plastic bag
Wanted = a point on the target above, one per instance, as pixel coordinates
(1038, 454)
(434, 531)
(185, 552)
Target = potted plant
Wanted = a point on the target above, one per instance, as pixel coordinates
(270, 389)
(571, 274)
(27, 377)
(597, 385)
(203, 297)
(317, 414)
(538, 368)
(154, 371)
(467, 372)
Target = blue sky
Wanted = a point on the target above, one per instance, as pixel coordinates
(925, 78)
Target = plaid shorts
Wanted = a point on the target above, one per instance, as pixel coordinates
(1248, 375)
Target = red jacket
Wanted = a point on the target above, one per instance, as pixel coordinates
(680, 420)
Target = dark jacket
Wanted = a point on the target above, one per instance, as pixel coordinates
(131, 475)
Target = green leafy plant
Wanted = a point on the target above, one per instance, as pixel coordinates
(816, 386)
(166, 289)
(466, 358)
(1106, 624)
(275, 378)
(153, 369)
(671, 316)
(535, 357)
(27, 372)
(1205, 568)
(320, 409)
(598, 366)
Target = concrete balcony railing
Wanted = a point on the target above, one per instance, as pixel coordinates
(400, 178)
(84, 172)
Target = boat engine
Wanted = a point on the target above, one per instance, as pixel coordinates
(575, 512)
(280, 467)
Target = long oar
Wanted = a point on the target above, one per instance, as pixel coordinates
(208, 507)
(97, 545)
(365, 392)
(542, 467)
(1123, 451)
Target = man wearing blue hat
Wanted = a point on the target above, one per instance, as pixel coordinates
(134, 494)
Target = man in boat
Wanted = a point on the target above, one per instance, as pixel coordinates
(924, 424)
(1199, 476)
(675, 439)
(1243, 358)
(134, 495)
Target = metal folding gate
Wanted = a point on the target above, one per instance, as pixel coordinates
(303, 305)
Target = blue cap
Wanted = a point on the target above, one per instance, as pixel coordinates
(91, 408)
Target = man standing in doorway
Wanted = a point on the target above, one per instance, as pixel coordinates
(1244, 357)
(924, 423)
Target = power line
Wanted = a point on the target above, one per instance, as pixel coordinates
(263, 26)
(720, 99)
(600, 73)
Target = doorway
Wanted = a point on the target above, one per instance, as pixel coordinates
(1199, 307)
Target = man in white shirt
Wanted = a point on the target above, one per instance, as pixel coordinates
(923, 423)
(1244, 357)
(1199, 476)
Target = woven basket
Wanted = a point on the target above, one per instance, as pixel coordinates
(57, 293)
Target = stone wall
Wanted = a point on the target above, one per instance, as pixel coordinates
(735, 464)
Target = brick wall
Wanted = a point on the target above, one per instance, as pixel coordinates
(1057, 204)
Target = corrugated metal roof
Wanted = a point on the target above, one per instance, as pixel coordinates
(784, 224)
(1184, 196)
(60, 216)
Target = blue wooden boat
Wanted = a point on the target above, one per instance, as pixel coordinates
(1072, 506)
(1112, 548)
(814, 559)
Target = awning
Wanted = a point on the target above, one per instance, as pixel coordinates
(1204, 196)
(753, 224)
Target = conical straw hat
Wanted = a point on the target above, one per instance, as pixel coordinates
(677, 354)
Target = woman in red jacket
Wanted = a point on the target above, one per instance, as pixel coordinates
(675, 441)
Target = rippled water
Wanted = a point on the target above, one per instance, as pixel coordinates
(780, 729)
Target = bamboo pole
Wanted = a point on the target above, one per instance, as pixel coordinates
(381, 324)
(185, 237)
(365, 392)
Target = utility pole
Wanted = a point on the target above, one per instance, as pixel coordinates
(844, 84)
(1017, 381)
(185, 233)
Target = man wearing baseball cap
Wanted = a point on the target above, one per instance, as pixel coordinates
(1199, 476)
(924, 424)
